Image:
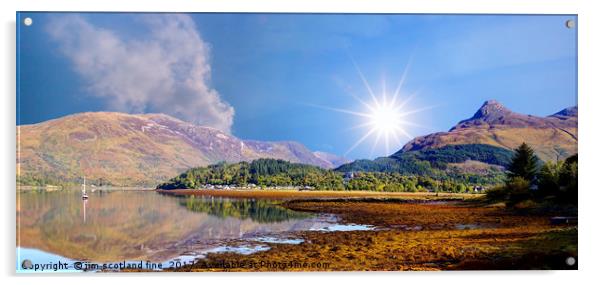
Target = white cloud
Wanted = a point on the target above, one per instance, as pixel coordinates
(163, 69)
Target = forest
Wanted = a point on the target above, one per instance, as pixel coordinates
(276, 173)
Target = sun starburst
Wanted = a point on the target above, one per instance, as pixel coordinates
(386, 117)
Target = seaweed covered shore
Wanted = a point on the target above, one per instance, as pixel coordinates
(433, 235)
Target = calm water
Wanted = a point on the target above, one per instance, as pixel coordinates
(144, 225)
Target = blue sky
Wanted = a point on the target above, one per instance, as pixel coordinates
(278, 76)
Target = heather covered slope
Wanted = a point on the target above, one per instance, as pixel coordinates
(553, 137)
(124, 149)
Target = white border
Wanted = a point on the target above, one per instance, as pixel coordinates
(590, 135)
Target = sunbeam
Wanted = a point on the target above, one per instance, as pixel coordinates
(387, 118)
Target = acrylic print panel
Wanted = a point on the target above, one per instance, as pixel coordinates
(295, 142)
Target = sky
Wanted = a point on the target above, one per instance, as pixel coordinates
(309, 78)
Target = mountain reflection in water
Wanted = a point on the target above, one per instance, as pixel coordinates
(144, 225)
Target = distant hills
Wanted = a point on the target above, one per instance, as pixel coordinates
(482, 144)
(333, 160)
(125, 149)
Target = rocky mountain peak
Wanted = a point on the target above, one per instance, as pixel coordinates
(489, 109)
(493, 124)
(492, 112)
(568, 112)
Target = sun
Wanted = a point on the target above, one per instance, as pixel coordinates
(385, 119)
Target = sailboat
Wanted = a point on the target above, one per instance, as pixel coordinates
(84, 195)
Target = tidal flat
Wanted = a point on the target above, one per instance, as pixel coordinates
(412, 235)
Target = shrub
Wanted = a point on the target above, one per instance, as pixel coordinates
(498, 193)
(568, 182)
(549, 179)
(518, 190)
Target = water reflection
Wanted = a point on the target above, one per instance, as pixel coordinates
(261, 211)
(84, 202)
(130, 225)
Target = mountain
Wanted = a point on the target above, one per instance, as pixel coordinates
(566, 113)
(332, 160)
(125, 149)
(473, 163)
(553, 137)
(480, 146)
(286, 150)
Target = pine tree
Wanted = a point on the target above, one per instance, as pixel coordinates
(524, 163)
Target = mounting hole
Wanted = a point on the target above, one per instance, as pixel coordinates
(27, 264)
(27, 21)
(570, 261)
(569, 24)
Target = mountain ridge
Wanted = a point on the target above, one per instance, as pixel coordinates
(553, 137)
(333, 159)
(136, 149)
(481, 145)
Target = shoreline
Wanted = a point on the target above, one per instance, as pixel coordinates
(72, 188)
(411, 236)
(295, 194)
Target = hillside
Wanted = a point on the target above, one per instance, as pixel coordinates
(264, 172)
(123, 149)
(475, 163)
(481, 145)
(275, 173)
(553, 137)
(331, 159)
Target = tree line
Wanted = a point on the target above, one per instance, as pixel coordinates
(528, 179)
(276, 173)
